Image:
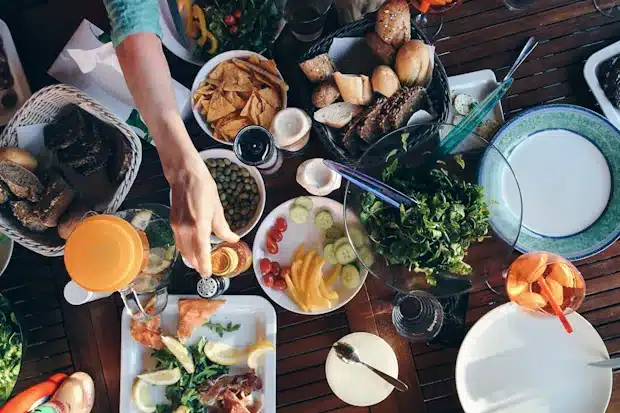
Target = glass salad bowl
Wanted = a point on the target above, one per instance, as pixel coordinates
(462, 225)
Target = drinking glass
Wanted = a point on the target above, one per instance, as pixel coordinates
(417, 316)
(254, 146)
(609, 8)
(430, 19)
(305, 17)
(536, 278)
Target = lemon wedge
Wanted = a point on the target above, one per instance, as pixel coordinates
(182, 409)
(142, 397)
(225, 354)
(162, 377)
(181, 353)
(256, 353)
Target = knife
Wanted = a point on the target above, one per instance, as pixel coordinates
(178, 22)
(610, 364)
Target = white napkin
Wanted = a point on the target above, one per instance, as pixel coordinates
(89, 63)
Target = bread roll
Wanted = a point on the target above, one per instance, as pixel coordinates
(318, 68)
(385, 81)
(412, 63)
(354, 88)
(19, 156)
(381, 49)
(325, 94)
(394, 22)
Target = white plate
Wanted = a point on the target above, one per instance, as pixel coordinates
(369, 388)
(208, 68)
(20, 83)
(6, 251)
(477, 85)
(589, 72)
(515, 362)
(295, 235)
(257, 318)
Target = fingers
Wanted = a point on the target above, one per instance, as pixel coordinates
(201, 245)
(221, 227)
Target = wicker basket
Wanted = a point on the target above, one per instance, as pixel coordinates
(438, 91)
(42, 107)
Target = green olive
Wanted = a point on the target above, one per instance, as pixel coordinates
(245, 172)
(220, 163)
(211, 163)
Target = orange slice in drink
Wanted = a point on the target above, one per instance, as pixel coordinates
(529, 267)
(562, 274)
(556, 289)
(530, 300)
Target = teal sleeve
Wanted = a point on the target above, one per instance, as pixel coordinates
(132, 16)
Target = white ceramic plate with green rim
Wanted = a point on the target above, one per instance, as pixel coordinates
(567, 164)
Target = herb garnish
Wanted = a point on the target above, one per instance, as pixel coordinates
(220, 328)
(10, 350)
(431, 236)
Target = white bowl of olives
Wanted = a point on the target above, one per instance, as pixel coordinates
(241, 189)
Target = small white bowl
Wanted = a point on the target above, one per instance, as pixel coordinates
(228, 154)
(204, 72)
(6, 251)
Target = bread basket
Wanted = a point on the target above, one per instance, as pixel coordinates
(41, 108)
(438, 90)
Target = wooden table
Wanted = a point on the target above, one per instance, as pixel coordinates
(479, 34)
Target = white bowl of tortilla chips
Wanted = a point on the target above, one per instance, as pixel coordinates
(236, 89)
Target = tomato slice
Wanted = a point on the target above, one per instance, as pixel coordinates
(265, 266)
(271, 246)
(279, 284)
(274, 234)
(281, 224)
(275, 269)
(285, 272)
(268, 279)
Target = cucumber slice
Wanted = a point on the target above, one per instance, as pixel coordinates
(299, 214)
(324, 220)
(350, 277)
(341, 241)
(345, 254)
(335, 232)
(358, 237)
(368, 258)
(329, 253)
(304, 201)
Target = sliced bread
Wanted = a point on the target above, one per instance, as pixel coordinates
(55, 201)
(318, 68)
(337, 115)
(354, 89)
(21, 182)
(23, 211)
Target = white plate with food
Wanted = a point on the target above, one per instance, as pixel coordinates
(513, 362)
(236, 89)
(466, 91)
(13, 96)
(225, 336)
(310, 267)
(597, 70)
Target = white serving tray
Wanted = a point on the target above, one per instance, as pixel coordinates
(257, 318)
(589, 72)
(19, 79)
(478, 85)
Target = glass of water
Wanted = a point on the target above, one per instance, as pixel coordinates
(305, 17)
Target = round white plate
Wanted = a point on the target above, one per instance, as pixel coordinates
(295, 235)
(515, 362)
(355, 384)
(6, 251)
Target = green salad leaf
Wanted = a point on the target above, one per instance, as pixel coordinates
(185, 391)
(10, 350)
(431, 236)
(220, 328)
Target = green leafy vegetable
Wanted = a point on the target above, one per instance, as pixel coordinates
(256, 28)
(185, 391)
(220, 328)
(10, 350)
(433, 235)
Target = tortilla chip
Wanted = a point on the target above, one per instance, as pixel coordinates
(235, 99)
(266, 116)
(242, 66)
(219, 108)
(245, 112)
(235, 87)
(271, 96)
(216, 74)
(254, 60)
(215, 83)
(270, 66)
(231, 128)
(205, 103)
(255, 109)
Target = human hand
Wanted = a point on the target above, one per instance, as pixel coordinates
(195, 211)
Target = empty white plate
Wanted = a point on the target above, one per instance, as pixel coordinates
(512, 361)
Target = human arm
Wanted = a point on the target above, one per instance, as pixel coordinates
(195, 206)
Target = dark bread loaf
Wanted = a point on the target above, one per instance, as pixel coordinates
(5, 193)
(21, 182)
(68, 126)
(23, 211)
(55, 201)
(120, 156)
(367, 129)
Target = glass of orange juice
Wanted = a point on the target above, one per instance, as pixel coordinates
(536, 278)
